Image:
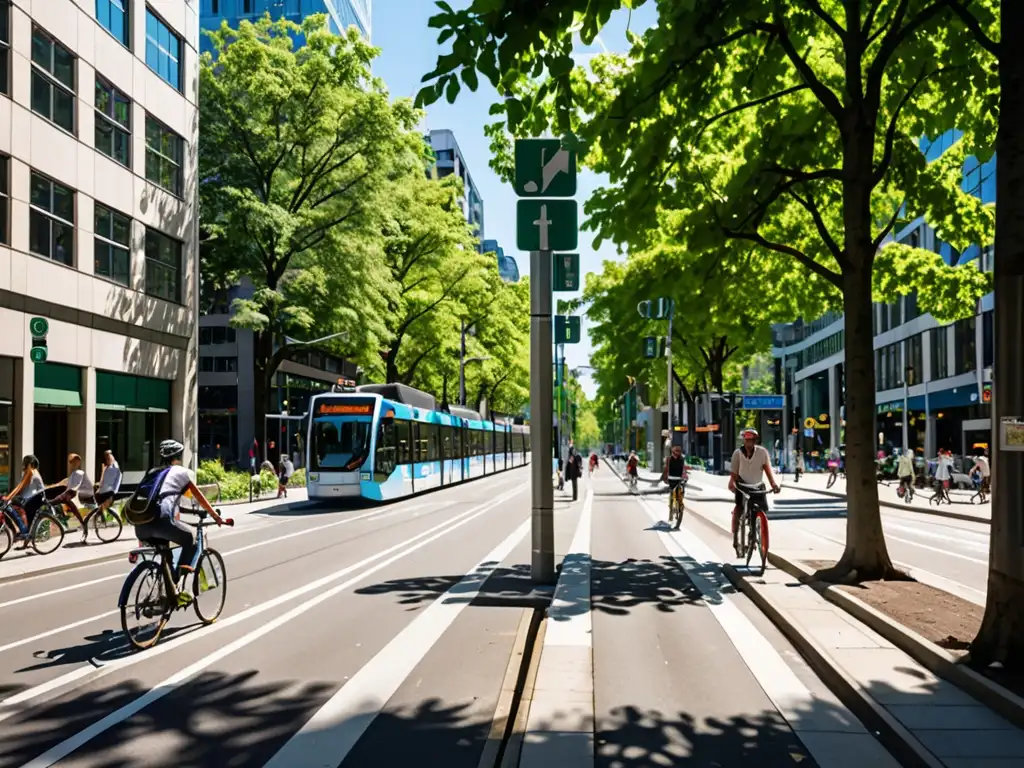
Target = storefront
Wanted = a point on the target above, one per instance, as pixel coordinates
(58, 407)
(132, 417)
(7, 462)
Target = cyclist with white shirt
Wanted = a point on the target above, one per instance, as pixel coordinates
(750, 463)
(77, 484)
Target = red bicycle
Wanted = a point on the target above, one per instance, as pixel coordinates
(753, 522)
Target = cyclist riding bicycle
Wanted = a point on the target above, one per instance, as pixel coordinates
(674, 473)
(905, 471)
(749, 464)
(632, 464)
(166, 527)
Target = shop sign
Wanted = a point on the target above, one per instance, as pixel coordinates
(810, 423)
(1012, 434)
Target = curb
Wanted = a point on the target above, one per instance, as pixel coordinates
(926, 653)
(905, 507)
(893, 735)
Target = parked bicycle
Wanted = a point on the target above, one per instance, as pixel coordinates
(157, 596)
(44, 532)
(753, 523)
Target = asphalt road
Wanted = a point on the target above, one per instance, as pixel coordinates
(334, 649)
(953, 554)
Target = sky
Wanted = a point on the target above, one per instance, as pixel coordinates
(409, 50)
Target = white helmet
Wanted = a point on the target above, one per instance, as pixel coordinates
(170, 449)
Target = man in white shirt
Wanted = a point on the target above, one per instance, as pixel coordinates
(749, 465)
(78, 483)
(982, 469)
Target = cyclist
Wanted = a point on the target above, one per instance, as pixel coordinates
(27, 496)
(674, 473)
(76, 483)
(749, 464)
(905, 471)
(833, 465)
(593, 463)
(943, 475)
(632, 467)
(983, 472)
(177, 482)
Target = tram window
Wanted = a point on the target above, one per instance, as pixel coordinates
(402, 438)
(446, 442)
(433, 437)
(421, 443)
(384, 458)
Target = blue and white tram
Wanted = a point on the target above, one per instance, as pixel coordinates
(386, 441)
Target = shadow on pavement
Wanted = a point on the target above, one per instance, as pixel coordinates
(99, 649)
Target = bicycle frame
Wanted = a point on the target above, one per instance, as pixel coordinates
(166, 555)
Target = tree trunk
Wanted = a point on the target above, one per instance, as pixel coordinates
(866, 556)
(1001, 637)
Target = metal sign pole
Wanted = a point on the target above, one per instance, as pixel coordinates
(668, 354)
(542, 565)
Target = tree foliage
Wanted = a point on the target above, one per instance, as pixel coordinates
(792, 128)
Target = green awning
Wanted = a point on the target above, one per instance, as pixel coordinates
(109, 407)
(133, 393)
(58, 397)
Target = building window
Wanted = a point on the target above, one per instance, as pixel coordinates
(113, 245)
(246, 6)
(987, 338)
(217, 335)
(5, 47)
(225, 365)
(113, 17)
(113, 123)
(910, 310)
(965, 345)
(53, 81)
(51, 220)
(214, 6)
(915, 360)
(163, 266)
(163, 50)
(5, 199)
(940, 356)
(164, 150)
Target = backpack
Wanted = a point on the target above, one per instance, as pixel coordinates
(143, 506)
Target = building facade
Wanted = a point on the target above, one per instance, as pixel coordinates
(450, 161)
(937, 377)
(341, 14)
(507, 266)
(98, 231)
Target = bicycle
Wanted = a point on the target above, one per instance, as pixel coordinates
(677, 494)
(44, 532)
(106, 523)
(833, 475)
(941, 494)
(905, 490)
(753, 521)
(632, 483)
(162, 596)
(979, 496)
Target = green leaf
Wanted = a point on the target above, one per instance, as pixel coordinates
(452, 91)
(469, 78)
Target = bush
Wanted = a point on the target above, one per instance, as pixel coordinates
(298, 479)
(209, 472)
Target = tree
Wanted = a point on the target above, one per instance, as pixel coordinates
(296, 152)
(789, 127)
(431, 253)
(501, 321)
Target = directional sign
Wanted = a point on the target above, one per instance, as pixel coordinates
(567, 271)
(763, 402)
(544, 168)
(650, 347)
(546, 225)
(37, 354)
(567, 329)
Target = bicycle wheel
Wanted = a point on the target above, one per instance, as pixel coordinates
(831, 481)
(146, 600)
(762, 520)
(107, 525)
(210, 581)
(6, 540)
(753, 542)
(47, 533)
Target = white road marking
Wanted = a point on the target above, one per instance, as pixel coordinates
(946, 552)
(10, 705)
(981, 542)
(57, 630)
(328, 736)
(775, 677)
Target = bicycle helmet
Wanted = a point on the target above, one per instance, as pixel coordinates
(750, 432)
(171, 449)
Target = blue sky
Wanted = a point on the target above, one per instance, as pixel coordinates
(409, 50)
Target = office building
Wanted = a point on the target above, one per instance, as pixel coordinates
(98, 231)
(341, 14)
(507, 266)
(943, 372)
(450, 161)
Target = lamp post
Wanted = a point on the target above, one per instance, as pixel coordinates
(908, 374)
(462, 374)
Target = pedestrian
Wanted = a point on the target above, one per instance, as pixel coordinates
(287, 469)
(573, 469)
(983, 472)
(798, 465)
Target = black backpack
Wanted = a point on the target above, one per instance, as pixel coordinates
(143, 506)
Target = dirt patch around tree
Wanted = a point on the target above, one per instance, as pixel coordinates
(940, 617)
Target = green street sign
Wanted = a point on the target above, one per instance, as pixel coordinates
(37, 354)
(38, 327)
(650, 347)
(567, 271)
(544, 168)
(546, 225)
(567, 329)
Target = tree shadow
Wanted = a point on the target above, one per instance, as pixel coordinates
(101, 648)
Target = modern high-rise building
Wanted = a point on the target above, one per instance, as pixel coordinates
(341, 14)
(450, 161)
(98, 232)
(507, 266)
(936, 377)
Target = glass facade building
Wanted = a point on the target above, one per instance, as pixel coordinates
(341, 14)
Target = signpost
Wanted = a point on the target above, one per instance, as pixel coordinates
(545, 170)
(762, 402)
(567, 329)
(567, 272)
(38, 327)
(650, 347)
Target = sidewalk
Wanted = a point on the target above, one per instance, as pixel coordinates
(19, 564)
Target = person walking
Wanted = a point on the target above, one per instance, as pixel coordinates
(287, 469)
(572, 469)
(798, 465)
